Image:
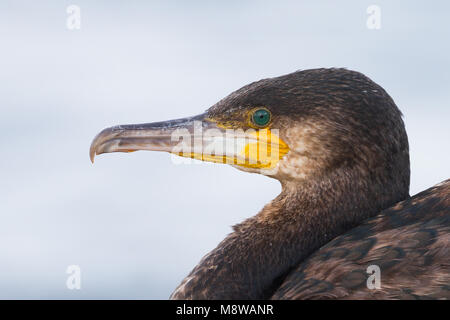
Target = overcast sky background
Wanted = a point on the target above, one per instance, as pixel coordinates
(136, 223)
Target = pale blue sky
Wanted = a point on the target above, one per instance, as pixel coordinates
(136, 223)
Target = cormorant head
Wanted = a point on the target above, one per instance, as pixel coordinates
(302, 126)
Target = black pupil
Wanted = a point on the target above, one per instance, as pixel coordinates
(261, 117)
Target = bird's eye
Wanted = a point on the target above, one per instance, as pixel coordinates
(261, 117)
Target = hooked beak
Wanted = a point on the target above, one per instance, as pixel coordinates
(194, 137)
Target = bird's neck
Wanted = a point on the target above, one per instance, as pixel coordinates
(252, 261)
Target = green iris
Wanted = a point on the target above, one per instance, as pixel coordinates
(261, 117)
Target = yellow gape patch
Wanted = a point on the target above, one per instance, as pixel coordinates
(265, 152)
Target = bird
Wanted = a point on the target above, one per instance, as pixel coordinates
(344, 225)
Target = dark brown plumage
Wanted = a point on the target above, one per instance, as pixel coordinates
(339, 211)
(410, 242)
